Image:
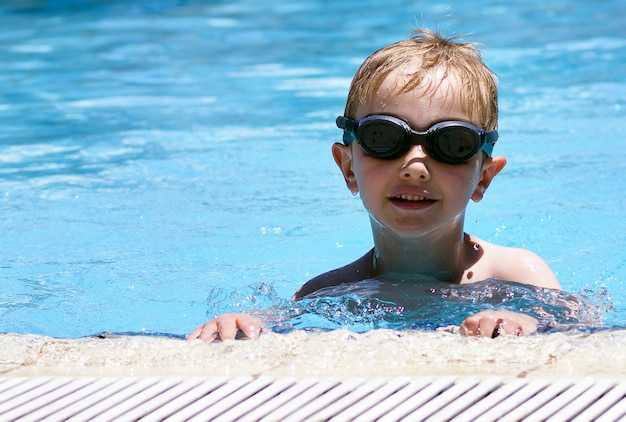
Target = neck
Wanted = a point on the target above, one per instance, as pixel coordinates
(437, 255)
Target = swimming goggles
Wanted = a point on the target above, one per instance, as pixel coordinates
(387, 137)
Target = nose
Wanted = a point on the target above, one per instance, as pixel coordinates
(414, 164)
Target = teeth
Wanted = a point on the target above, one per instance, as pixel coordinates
(412, 198)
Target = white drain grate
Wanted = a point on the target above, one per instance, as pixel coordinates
(267, 399)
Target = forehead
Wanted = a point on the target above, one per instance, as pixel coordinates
(431, 96)
(437, 83)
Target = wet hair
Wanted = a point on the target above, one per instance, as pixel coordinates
(425, 53)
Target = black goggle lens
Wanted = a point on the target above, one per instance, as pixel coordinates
(454, 144)
(381, 139)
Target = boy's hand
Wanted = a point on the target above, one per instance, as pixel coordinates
(227, 327)
(494, 323)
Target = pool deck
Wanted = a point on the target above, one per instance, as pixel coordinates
(383, 374)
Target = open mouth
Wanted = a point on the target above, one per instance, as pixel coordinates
(412, 201)
(411, 198)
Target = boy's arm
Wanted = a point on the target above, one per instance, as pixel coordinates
(510, 264)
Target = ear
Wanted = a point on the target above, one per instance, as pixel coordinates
(491, 167)
(343, 157)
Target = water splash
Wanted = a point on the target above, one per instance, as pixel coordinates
(400, 304)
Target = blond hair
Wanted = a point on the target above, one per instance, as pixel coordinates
(424, 53)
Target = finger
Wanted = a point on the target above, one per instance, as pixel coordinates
(450, 329)
(200, 332)
(519, 325)
(530, 326)
(228, 326)
(251, 327)
(206, 332)
(487, 327)
(523, 329)
(209, 332)
(195, 333)
(469, 327)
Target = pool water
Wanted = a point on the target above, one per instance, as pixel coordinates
(162, 161)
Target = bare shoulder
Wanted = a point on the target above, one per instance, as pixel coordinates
(515, 264)
(360, 269)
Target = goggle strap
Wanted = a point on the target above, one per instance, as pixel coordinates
(348, 137)
(491, 137)
(348, 129)
(488, 148)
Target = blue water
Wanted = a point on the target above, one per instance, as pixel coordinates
(165, 160)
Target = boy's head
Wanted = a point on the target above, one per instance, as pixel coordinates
(425, 53)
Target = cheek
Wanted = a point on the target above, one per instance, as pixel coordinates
(473, 171)
(464, 179)
(369, 171)
(369, 179)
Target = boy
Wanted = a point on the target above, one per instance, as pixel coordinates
(418, 134)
